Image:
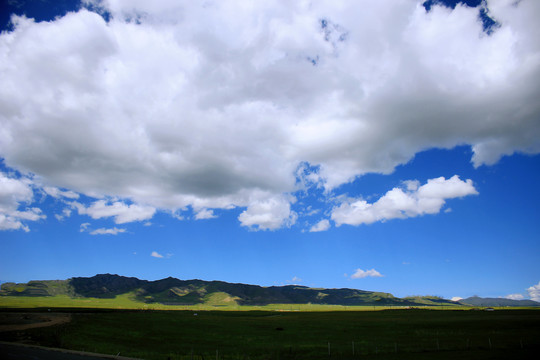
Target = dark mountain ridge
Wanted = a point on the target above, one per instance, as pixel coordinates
(172, 291)
(478, 301)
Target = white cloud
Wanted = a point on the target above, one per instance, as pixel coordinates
(515, 297)
(208, 104)
(121, 212)
(268, 214)
(294, 281)
(534, 292)
(57, 193)
(360, 274)
(322, 225)
(84, 227)
(205, 214)
(456, 298)
(104, 231)
(403, 203)
(156, 255)
(65, 214)
(14, 194)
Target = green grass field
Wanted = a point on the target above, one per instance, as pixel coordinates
(216, 301)
(391, 334)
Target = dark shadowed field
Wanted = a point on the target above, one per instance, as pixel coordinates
(388, 334)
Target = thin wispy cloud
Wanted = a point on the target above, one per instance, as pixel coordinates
(105, 231)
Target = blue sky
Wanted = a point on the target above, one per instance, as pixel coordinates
(393, 149)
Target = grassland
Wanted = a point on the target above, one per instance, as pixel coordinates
(216, 301)
(391, 334)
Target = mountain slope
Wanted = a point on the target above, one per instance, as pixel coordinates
(172, 291)
(478, 301)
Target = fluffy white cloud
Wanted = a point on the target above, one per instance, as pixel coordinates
(156, 255)
(121, 212)
(515, 297)
(360, 274)
(400, 203)
(534, 292)
(268, 214)
(322, 225)
(205, 214)
(456, 298)
(104, 231)
(175, 104)
(14, 194)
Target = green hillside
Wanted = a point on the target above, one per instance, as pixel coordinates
(175, 292)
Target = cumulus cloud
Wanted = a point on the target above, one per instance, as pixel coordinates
(534, 292)
(515, 297)
(456, 298)
(360, 274)
(104, 231)
(205, 214)
(121, 212)
(413, 200)
(268, 214)
(322, 225)
(176, 104)
(15, 196)
(156, 255)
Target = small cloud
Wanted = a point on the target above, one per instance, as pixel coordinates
(84, 227)
(322, 225)
(156, 255)
(447, 210)
(456, 298)
(65, 214)
(148, 223)
(103, 231)
(121, 212)
(534, 292)
(205, 214)
(515, 297)
(57, 193)
(360, 274)
(294, 281)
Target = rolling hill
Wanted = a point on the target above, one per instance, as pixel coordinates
(172, 291)
(497, 302)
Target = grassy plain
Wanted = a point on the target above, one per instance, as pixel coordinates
(127, 301)
(390, 334)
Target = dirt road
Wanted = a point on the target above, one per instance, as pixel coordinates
(25, 321)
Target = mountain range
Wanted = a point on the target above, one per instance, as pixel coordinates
(172, 291)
